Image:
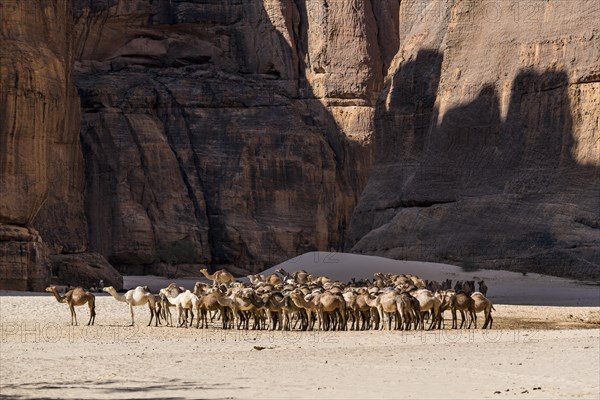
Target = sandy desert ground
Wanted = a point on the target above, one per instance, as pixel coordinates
(535, 352)
(538, 348)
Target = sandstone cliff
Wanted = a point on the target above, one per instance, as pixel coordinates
(252, 131)
(242, 128)
(38, 131)
(41, 164)
(487, 139)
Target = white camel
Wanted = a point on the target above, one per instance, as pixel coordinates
(136, 297)
(183, 302)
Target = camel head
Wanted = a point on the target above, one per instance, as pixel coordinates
(204, 270)
(50, 289)
(108, 289)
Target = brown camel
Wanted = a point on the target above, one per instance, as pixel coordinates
(212, 302)
(332, 308)
(274, 303)
(481, 303)
(428, 302)
(387, 306)
(310, 307)
(74, 298)
(446, 298)
(274, 280)
(246, 300)
(220, 277)
(367, 307)
(462, 303)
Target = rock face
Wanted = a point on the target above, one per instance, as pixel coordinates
(23, 259)
(242, 128)
(487, 139)
(38, 133)
(253, 131)
(85, 270)
(41, 164)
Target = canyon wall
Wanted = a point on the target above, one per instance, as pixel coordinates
(240, 133)
(241, 128)
(40, 157)
(487, 139)
(41, 164)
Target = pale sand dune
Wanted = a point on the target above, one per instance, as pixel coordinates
(504, 287)
(42, 356)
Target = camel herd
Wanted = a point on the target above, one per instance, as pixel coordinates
(284, 301)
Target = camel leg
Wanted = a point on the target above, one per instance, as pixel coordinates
(180, 316)
(92, 306)
(131, 311)
(73, 314)
(417, 316)
(169, 315)
(434, 317)
(158, 312)
(463, 318)
(488, 319)
(432, 322)
(151, 313)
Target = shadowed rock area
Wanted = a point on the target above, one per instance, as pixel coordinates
(492, 160)
(242, 128)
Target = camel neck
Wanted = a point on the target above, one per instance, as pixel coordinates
(58, 297)
(118, 296)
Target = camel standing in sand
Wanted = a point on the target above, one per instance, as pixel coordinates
(212, 302)
(331, 311)
(367, 308)
(136, 297)
(462, 303)
(428, 302)
(310, 308)
(220, 277)
(446, 298)
(244, 301)
(183, 302)
(74, 298)
(163, 304)
(481, 303)
(387, 306)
